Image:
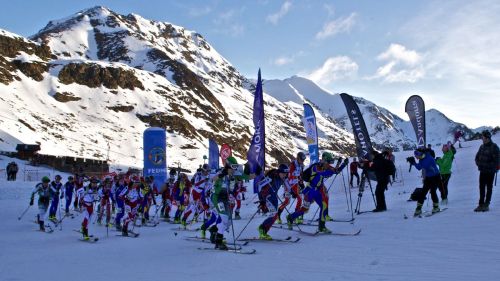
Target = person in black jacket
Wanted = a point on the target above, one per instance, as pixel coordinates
(487, 161)
(383, 168)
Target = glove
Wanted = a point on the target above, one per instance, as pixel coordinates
(288, 195)
(339, 161)
(32, 201)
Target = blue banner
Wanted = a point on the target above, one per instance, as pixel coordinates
(257, 150)
(311, 133)
(155, 157)
(213, 155)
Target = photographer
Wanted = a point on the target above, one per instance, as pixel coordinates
(383, 169)
(431, 178)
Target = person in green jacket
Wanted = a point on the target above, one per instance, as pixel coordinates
(223, 182)
(445, 164)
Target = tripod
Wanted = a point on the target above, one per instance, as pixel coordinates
(364, 178)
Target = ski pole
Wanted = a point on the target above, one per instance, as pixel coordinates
(22, 215)
(251, 218)
(496, 176)
(345, 191)
(350, 200)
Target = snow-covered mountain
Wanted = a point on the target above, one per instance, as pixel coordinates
(90, 84)
(386, 129)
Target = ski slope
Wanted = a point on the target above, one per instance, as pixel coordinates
(457, 244)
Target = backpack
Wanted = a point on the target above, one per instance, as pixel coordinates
(415, 195)
(391, 169)
(307, 174)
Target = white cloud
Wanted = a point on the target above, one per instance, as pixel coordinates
(401, 65)
(334, 68)
(283, 60)
(340, 25)
(226, 23)
(199, 11)
(285, 8)
(287, 59)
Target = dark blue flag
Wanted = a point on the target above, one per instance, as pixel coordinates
(256, 152)
(213, 155)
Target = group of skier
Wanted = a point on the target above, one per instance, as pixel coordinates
(215, 196)
(124, 195)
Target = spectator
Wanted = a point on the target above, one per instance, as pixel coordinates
(431, 151)
(383, 169)
(444, 163)
(14, 170)
(8, 170)
(487, 161)
(458, 135)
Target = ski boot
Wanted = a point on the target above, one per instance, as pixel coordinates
(203, 233)
(479, 208)
(322, 228)
(444, 201)
(213, 233)
(118, 227)
(219, 242)
(124, 231)
(418, 210)
(486, 207)
(42, 225)
(278, 221)
(237, 216)
(263, 234)
(85, 233)
(99, 221)
(435, 208)
(328, 218)
(300, 220)
(184, 223)
(289, 221)
(53, 218)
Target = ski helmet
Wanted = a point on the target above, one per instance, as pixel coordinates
(301, 155)
(232, 161)
(45, 179)
(58, 177)
(283, 168)
(70, 178)
(327, 157)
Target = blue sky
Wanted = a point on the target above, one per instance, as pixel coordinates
(446, 51)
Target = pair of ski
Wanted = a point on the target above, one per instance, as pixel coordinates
(89, 239)
(315, 223)
(317, 233)
(430, 213)
(236, 248)
(48, 228)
